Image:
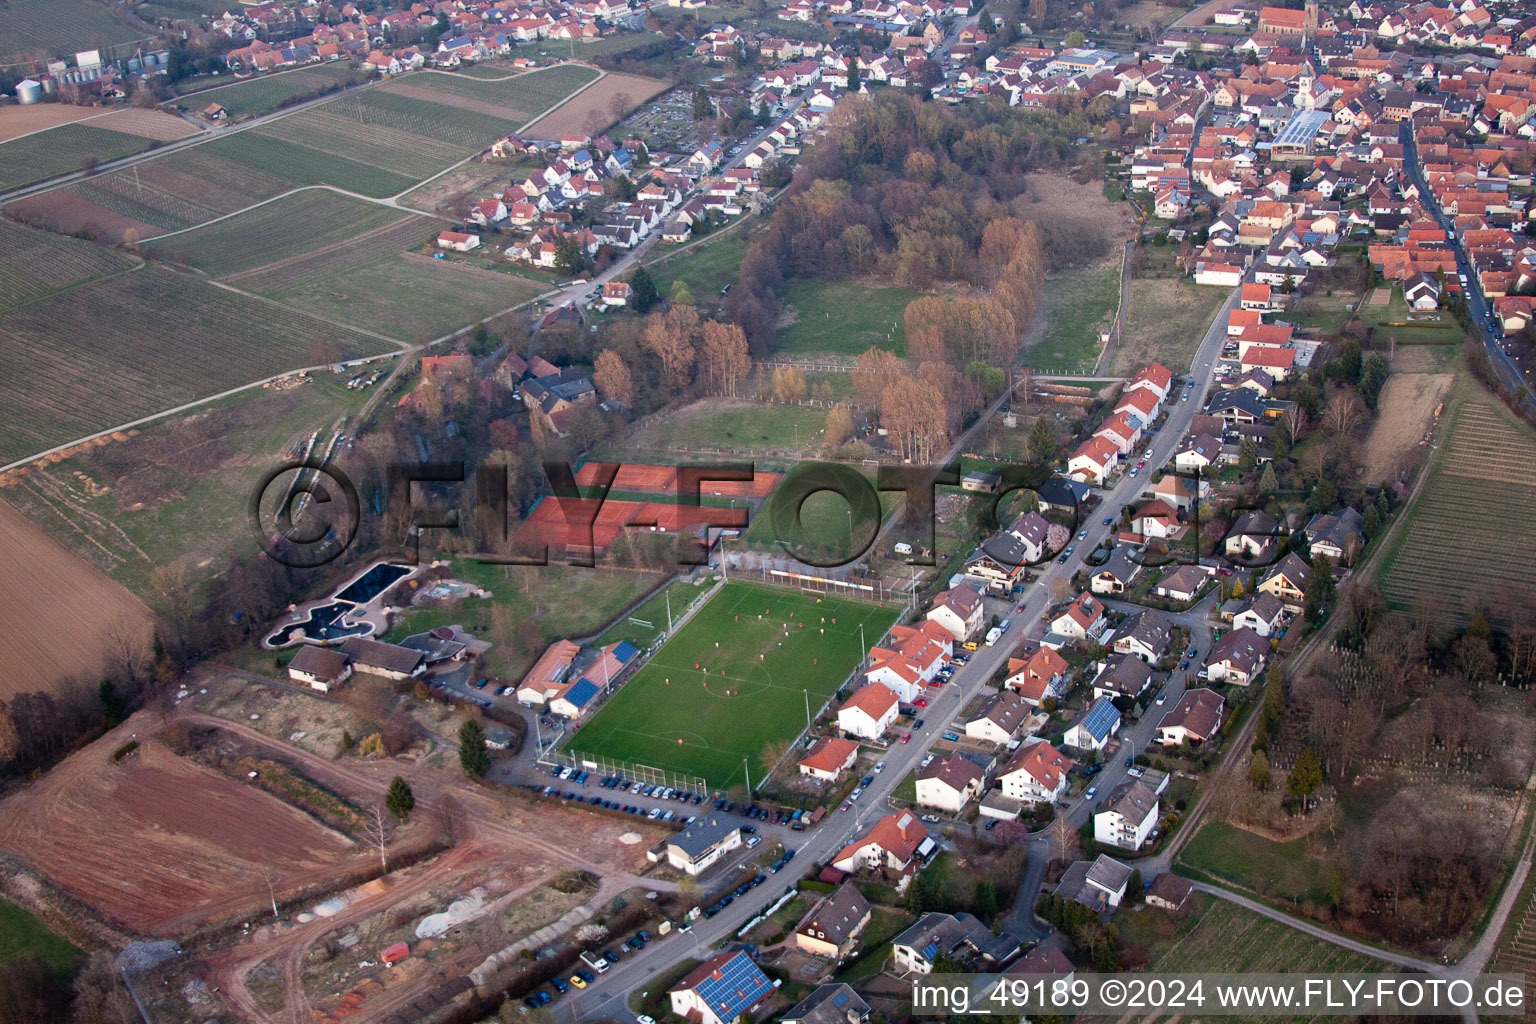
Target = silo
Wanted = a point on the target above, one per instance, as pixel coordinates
(28, 91)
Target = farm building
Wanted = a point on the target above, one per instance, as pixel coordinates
(457, 241)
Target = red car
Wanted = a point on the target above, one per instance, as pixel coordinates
(920, 702)
(905, 737)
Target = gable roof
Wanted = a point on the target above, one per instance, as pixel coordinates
(1042, 762)
(874, 699)
(729, 983)
(829, 754)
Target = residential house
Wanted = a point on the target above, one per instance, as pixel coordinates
(1237, 657)
(1037, 773)
(1287, 580)
(1023, 543)
(911, 659)
(616, 293)
(828, 758)
(702, 844)
(1128, 817)
(959, 610)
(1116, 575)
(958, 937)
(1262, 613)
(458, 241)
(1182, 584)
(320, 667)
(721, 990)
(998, 719)
(1093, 730)
(1146, 635)
(1123, 675)
(1339, 535)
(893, 843)
(948, 783)
(1180, 491)
(1169, 892)
(829, 1004)
(1253, 535)
(1082, 620)
(1196, 718)
(1043, 674)
(834, 924)
(1094, 460)
(1098, 884)
(869, 712)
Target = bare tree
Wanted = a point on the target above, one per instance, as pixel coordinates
(1343, 413)
(620, 105)
(1292, 421)
(378, 832)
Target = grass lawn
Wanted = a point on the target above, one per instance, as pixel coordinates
(562, 600)
(722, 424)
(678, 596)
(706, 268)
(1166, 321)
(1280, 870)
(1078, 305)
(20, 933)
(842, 318)
(179, 492)
(884, 925)
(697, 707)
(1326, 314)
(827, 520)
(1426, 328)
(620, 42)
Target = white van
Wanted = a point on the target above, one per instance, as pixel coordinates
(993, 635)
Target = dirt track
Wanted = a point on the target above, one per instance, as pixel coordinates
(62, 616)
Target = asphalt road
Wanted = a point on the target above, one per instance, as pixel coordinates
(1478, 310)
(607, 996)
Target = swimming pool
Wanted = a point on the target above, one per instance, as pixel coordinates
(323, 623)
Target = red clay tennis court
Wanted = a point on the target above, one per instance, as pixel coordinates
(663, 480)
(560, 528)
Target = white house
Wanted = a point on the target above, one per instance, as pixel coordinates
(1083, 619)
(701, 845)
(999, 719)
(949, 783)
(1238, 657)
(869, 712)
(1196, 718)
(1093, 731)
(828, 758)
(959, 610)
(1037, 773)
(891, 843)
(458, 241)
(1128, 817)
(721, 990)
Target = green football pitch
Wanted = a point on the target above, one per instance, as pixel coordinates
(737, 677)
